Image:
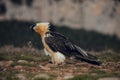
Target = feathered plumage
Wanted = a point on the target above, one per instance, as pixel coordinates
(58, 46)
(58, 42)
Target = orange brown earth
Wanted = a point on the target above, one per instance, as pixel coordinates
(30, 64)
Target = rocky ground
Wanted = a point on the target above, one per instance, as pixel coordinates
(30, 64)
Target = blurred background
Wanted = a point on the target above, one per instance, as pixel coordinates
(92, 24)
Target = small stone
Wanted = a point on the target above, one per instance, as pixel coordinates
(93, 74)
(22, 61)
(18, 67)
(2, 64)
(49, 65)
(5, 63)
(8, 63)
(21, 76)
(71, 71)
(4, 69)
(44, 68)
(68, 76)
(59, 78)
(42, 75)
(32, 62)
(84, 69)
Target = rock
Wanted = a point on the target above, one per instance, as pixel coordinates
(49, 65)
(87, 14)
(71, 71)
(93, 74)
(68, 76)
(34, 69)
(22, 61)
(18, 67)
(32, 62)
(109, 78)
(44, 68)
(59, 78)
(84, 69)
(42, 75)
(21, 76)
(2, 63)
(8, 63)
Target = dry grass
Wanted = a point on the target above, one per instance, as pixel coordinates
(36, 64)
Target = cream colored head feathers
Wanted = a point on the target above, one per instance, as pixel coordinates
(42, 28)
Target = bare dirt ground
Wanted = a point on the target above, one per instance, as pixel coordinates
(29, 64)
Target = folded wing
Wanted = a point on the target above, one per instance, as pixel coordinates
(59, 43)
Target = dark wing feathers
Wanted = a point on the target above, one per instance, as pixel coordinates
(58, 42)
(80, 50)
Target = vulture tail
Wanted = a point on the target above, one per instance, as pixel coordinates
(83, 56)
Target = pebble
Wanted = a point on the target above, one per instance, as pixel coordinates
(21, 76)
(22, 61)
(41, 75)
